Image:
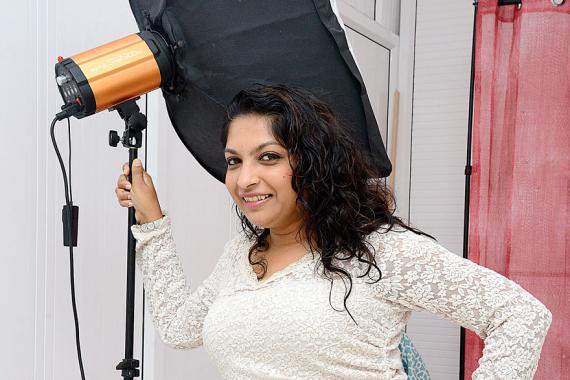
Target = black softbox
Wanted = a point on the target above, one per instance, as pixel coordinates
(224, 46)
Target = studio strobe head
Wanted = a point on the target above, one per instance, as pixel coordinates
(114, 73)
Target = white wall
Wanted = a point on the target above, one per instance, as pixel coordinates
(36, 322)
(439, 141)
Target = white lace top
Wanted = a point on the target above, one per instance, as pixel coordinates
(285, 328)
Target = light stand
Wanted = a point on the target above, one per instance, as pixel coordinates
(468, 166)
(135, 123)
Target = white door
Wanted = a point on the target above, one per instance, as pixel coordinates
(375, 50)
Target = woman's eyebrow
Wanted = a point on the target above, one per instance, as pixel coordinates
(255, 150)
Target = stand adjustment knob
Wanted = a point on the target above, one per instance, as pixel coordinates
(114, 138)
(129, 368)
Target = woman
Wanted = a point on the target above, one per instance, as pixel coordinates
(324, 278)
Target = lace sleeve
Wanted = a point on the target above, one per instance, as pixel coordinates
(422, 275)
(178, 313)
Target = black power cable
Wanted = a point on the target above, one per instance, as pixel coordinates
(69, 217)
(69, 159)
(69, 228)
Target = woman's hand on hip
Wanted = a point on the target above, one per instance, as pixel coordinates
(139, 194)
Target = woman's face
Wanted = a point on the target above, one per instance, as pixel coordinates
(259, 174)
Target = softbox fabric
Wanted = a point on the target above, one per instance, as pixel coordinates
(225, 46)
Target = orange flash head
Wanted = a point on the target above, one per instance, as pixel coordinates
(110, 74)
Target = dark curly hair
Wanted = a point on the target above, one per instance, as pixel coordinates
(342, 198)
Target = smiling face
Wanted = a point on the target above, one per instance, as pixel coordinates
(259, 174)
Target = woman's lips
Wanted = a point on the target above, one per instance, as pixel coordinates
(256, 204)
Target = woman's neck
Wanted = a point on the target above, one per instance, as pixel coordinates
(287, 237)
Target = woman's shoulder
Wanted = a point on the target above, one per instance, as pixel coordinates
(397, 237)
(235, 246)
(239, 239)
(399, 246)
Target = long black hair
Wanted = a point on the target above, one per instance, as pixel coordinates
(342, 198)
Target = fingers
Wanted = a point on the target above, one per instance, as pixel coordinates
(123, 183)
(126, 204)
(126, 169)
(124, 197)
(137, 171)
(139, 174)
(139, 191)
(123, 188)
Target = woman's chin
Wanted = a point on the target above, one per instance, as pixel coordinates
(259, 222)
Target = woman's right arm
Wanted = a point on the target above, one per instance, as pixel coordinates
(178, 313)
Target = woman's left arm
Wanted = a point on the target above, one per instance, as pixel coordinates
(422, 275)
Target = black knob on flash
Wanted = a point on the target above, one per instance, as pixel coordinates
(114, 138)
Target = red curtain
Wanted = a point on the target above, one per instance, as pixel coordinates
(520, 203)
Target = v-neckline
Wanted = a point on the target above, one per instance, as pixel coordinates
(280, 273)
(286, 269)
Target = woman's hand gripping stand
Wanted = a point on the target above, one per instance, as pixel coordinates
(141, 194)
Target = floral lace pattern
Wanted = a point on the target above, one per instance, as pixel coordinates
(284, 327)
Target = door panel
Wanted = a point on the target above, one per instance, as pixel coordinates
(374, 63)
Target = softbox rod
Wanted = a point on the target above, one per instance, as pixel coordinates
(468, 170)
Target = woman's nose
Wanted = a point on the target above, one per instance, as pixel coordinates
(248, 176)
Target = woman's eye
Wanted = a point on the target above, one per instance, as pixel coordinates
(269, 157)
(231, 161)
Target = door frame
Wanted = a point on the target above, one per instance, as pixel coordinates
(401, 86)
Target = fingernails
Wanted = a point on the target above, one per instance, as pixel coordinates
(128, 186)
(130, 204)
(129, 196)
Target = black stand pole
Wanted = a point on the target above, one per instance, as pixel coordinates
(468, 169)
(135, 123)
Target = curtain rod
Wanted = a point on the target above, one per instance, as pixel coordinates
(502, 2)
(509, 2)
